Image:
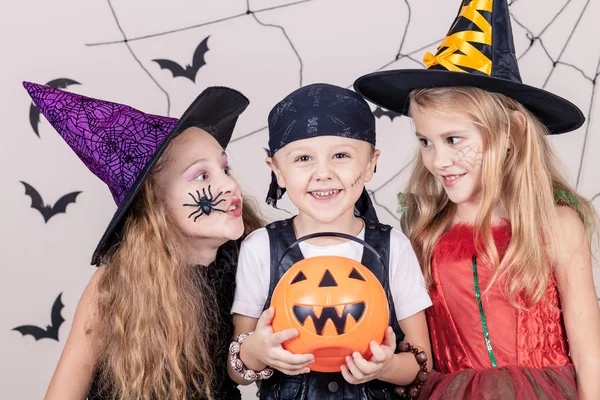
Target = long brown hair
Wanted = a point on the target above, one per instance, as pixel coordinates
(524, 181)
(150, 345)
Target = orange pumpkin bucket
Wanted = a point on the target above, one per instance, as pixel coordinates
(337, 305)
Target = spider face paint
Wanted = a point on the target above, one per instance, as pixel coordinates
(196, 160)
(205, 204)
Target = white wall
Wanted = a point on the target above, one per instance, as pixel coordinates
(265, 55)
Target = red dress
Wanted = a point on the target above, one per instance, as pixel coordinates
(484, 347)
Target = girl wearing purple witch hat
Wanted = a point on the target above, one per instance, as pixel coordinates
(154, 323)
(502, 237)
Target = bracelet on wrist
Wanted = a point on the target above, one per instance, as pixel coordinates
(238, 366)
(412, 390)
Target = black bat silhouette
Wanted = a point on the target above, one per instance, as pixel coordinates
(190, 71)
(380, 111)
(48, 211)
(34, 112)
(51, 331)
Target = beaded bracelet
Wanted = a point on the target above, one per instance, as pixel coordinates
(238, 366)
(412, 391)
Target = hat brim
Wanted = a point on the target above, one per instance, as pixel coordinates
(194, 116)
(391, 90)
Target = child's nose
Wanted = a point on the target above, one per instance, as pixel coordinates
(442, 159)
(229, 185)
(323, 171)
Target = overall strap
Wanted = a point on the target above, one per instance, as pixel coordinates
(281, 236)
(379, 237)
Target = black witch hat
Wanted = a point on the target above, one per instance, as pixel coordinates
(478, 51)
(120, 144)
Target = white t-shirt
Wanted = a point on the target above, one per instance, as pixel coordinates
(407, 284)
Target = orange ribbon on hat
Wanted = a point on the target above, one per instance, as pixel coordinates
(471, 57)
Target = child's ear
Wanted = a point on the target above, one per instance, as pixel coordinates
(372, 165)
(271, 163)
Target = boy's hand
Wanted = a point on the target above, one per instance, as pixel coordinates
(358, 370)
(265, 346)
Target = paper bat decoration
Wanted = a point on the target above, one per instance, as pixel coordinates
(189, 71)
(34, 112)
(380, 111)
(48, 211)
(51, 331)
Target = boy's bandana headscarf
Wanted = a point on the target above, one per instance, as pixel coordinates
(320, 110)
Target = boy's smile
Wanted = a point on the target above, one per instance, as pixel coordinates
(324, 195)
(324, 176)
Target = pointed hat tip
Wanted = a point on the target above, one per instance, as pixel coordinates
(29, 86)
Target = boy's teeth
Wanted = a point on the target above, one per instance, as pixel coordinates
(328, 193)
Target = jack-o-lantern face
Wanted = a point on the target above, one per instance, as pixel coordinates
(337, 305)
(340, 315)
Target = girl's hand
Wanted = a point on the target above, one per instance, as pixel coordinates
(358, 370)
(265, 346)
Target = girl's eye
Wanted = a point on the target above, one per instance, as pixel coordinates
(303, 158)
(453, 140)
(227, 170)
(341, 155)
(201, 177)
(425, 142)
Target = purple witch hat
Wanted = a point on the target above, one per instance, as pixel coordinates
(120, 144)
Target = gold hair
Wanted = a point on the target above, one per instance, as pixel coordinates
(524, 181)
(153, 308)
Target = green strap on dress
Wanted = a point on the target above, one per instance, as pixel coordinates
(486, 335)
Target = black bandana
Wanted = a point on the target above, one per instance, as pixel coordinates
(321, 110)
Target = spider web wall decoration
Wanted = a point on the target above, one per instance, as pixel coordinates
(553, 46)
(265, 49)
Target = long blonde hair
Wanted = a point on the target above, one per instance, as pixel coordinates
(153, 308)
(524, 181)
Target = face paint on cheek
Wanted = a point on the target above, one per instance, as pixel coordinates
(205, 204)
(358, 179)
(472, 155)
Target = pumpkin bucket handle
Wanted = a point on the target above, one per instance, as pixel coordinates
(335, 234)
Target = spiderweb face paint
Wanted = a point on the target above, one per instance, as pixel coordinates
(205, 203)
(472, 155)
